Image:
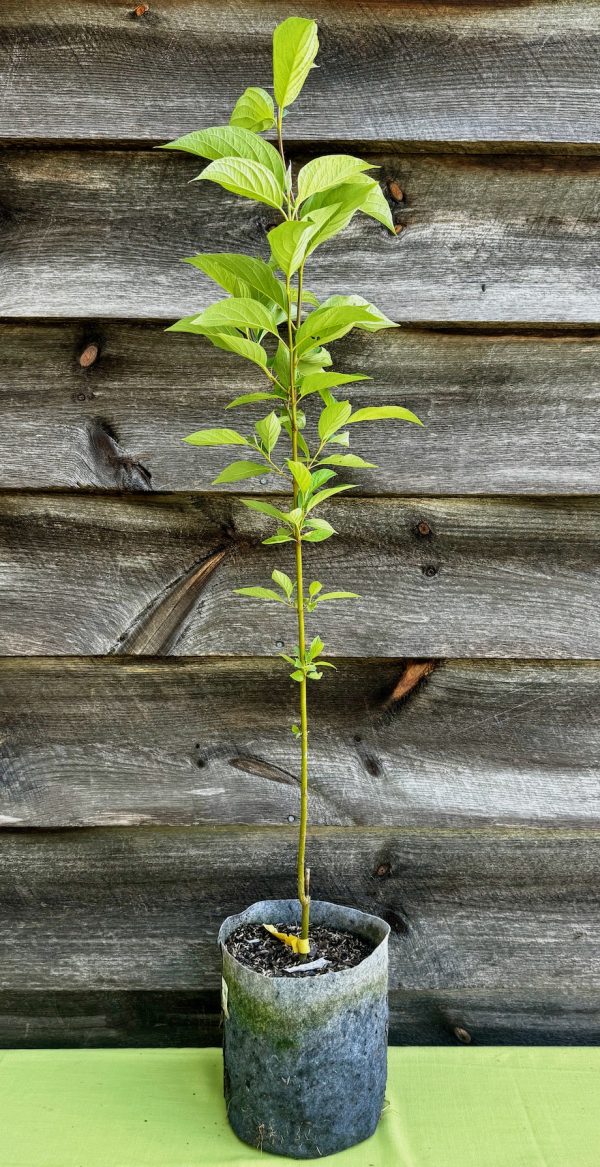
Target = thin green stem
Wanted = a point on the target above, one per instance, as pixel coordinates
(303, 875)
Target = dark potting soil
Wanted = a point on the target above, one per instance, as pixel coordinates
(331, 950)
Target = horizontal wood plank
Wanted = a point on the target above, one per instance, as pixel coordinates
(504, 413)
(113, 742)
(492, 239)
(154, 575)
(140, 909)
(104, 1018)
(411, 70)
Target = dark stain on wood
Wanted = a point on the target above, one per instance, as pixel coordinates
(114, 466)
(158, 628)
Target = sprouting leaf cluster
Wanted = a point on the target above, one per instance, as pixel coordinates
(270, 318)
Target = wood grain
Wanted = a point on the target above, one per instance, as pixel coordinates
(98, 233)
(104, 1018)
(120, 742)
(474, 72)
(139, 909)
(499, 578)
(504, 413)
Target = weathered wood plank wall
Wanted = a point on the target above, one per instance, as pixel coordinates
(147, 783)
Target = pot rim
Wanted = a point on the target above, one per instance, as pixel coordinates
(231, 923)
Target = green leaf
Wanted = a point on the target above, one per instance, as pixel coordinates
(379, 319)
(254, 111)
(288, 242)
(249, 349)
(228, 268)
(250, 180)
(315, 648)
(328, 493)
(332, 418)
(279, 537)
(382, 412)
(319, 477)
(216, 437)
(264, 508)
(348, 460)
(377, 207)
(341, 439)
(327, 324)
(315, 382)
(259, 594)
(231, 142)
(338, 596)
(301, 474)
(295, 46)
(268, 431)
(327, 171)
(251, 398)
(297, 675)
(296, 730)
(284, 582)
(236, 471)
(238, 313)
(318, 535)
(343, 201)
(314, 588)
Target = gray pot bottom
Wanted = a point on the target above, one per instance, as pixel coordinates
(305, 1060)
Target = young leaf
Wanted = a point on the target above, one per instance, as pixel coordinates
(216, 437)
(249, 349)
(326, 324)
(381, 412)
(254, 111)
(315, 382)
(377, 207)
(250, 180)
(268, 431)
(332, 418)
(341, 439)
(329, 170)
(348, 460)
(284, 582)
(314, 588)
(301, 474)
(259, 594)
(328, 493)
(288, 242)
(318, 535)
(251, 398)
(227, 269)
(264, 508)
(297, 675)
(343, 201)
(280, 536)
(238, 313)
(295, 46)
(236, 471)
(338, 596)
(231, 142)
(319, 477)
(315, 648)
(379, 319)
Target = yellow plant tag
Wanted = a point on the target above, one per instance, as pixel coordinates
(296, 943)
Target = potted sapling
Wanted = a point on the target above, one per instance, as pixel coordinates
(304, 983)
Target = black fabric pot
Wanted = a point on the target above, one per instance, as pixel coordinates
(305, 1060)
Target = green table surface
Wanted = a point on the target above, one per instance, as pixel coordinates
(464, 1107)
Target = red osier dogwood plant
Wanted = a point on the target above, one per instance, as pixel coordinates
(281, 327)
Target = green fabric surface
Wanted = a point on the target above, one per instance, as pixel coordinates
(464, 1107)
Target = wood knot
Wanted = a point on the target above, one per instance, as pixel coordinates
(141, 10)
(89, 355)
(462, 1035)
(395, 190)
(398, 228)
(383, 870)
(423, 529)
(429, 570)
